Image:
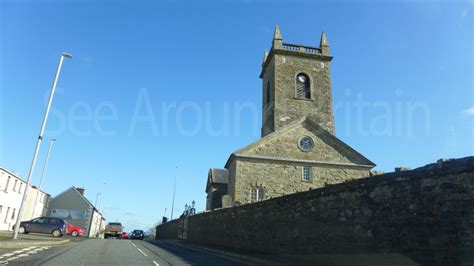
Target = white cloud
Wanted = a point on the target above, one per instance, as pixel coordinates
(469, 111)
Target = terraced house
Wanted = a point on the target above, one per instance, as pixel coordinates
(12, 188)
(298, 149)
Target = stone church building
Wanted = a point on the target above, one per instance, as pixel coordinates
(298, 150)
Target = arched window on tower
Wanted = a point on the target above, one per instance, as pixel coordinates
(303, 86)
(267, 96)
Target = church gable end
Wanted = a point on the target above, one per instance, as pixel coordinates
(304, 141)
(216, 187)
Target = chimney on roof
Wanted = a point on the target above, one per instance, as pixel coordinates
(80, 190)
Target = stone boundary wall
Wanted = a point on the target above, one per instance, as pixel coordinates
(168, 230)
(426, 214)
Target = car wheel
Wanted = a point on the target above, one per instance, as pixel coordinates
(74, 233)
(22, 229)
(56, 233)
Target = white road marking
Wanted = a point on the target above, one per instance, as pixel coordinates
(156, 263)
(25, 252)
(143, 253)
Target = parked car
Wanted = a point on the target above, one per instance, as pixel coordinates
(75, 230)
(44, 225)
(137, 234)
(113, 230)
(124, 235)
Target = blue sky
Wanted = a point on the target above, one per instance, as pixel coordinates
(155, 85)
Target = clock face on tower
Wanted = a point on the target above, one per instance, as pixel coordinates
(305, 143)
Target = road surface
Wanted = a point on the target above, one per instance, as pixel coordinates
(114, 252)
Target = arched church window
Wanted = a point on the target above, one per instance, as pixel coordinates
(303, 86)
(257, 194)
(253, 195)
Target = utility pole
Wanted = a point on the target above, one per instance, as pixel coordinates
(174, 193)
(38, 145)
(42, 176)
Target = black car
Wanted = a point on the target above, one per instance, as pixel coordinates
(137, 234)
(44, 225)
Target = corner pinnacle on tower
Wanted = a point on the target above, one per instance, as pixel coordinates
(324, 44)
(277, 40)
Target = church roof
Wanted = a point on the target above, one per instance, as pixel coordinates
(360, 159)
(217, 176)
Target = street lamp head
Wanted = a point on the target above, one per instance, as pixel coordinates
(53, 139)
(66, 55)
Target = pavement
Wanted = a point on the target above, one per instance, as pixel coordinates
(116, 252)
(28, 240)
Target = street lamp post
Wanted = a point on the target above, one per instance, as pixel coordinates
(101, 197)
(96, 198)
(174, 192)
(42, 176)
(38, 145)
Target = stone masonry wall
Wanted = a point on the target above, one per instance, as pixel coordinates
(426, 214)
(287, 67)
(281, 178)
(167, 230)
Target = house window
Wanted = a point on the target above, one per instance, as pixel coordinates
(6, 215)
(268, 93)
(8, 182)
(257, 194)
(14, 185)
(1, 210)
(13, 213)
(19, 190)
(303, 87)
(307, 173)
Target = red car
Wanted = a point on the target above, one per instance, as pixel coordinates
(75, 231)
(124, 235)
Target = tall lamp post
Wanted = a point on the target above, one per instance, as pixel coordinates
(96, 198)
(38, 145)
(101, 197)
(42, 176)
(174, 192)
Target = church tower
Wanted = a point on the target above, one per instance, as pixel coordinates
(296, 83)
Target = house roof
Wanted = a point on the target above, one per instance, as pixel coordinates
(21, 179)
(80, 195)
(217, 176)
(318, 128)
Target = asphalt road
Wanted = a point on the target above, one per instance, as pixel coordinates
(116, 252)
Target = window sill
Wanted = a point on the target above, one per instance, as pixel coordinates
(304, 99)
